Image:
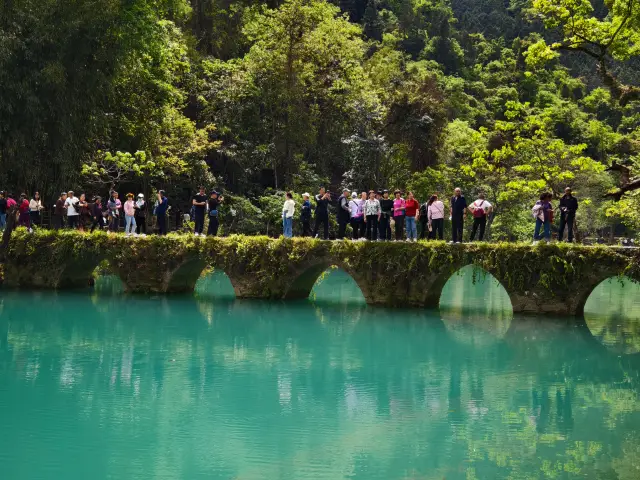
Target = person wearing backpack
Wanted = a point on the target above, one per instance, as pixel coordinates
(542, 211)
(480, 210)
(344, 213)
(424, 220)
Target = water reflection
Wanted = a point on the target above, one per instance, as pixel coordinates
(140, 387)
(336, 286)
(214, 284)
(108, 284)
(612, 313)
(475, 307)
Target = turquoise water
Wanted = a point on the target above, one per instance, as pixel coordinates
(113, 387)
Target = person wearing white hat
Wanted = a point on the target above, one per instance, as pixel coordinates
(305, 215)
(141, 215)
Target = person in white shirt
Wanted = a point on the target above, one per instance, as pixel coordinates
(480, 210)
(72, 212)
(372, 212)
(435, 215)
(35, 207)
(357, 216)
(287, 215)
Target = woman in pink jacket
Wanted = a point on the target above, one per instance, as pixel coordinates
(129, 215)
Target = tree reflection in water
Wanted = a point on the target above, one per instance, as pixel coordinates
(175, 387)
(612, 313)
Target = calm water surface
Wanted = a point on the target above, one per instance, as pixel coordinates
(98, 386)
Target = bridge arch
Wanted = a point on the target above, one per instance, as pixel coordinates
(214, 283)
(80, 272)
(186, 275)
(302, 284)
(473, 288)
(475, 307)
(106, 280)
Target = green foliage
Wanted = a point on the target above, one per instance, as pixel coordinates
(288, 95)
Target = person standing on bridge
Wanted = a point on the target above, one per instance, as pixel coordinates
(305, 215)
(344, 213)
(97, 218)
(372, 213)
(114, 205)
(386, 205)
(288, 210)
(199, 203)
(322, 213)
(412, 215)
(58, 212)
(543, 213)
(141, 215)
(480, 210)
(568, 209)
(457, 211)
(35, 207)
(355, 206)
(215, 199)
(24, 219)
(435, 215)
(161, 212)
(398, 213)
(71, 203)
(129, 215)
(3, 211)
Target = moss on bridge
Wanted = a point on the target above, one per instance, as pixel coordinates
(543, 278)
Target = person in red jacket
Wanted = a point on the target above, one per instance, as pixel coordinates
(412, 213)
(24, 220)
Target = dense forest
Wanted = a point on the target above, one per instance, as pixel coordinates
(511, 98)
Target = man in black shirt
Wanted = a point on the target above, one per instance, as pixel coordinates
(568, 209)
(214, 217)
(199, 205)
(3, 211)
(59, 212)
(344, 213)
(457, 211)
(386, 206)
(322, 212)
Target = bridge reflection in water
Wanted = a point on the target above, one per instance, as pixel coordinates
(474, 306)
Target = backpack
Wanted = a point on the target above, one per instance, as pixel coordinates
(535, 211)
(424, 210)
(478, 212)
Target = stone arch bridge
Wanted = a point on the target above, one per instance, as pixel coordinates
(555, 278)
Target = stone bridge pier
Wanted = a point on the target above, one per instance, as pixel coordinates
(543, 279)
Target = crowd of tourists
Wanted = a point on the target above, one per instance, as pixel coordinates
(372, 215)
(376, 215)
(78, 212)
